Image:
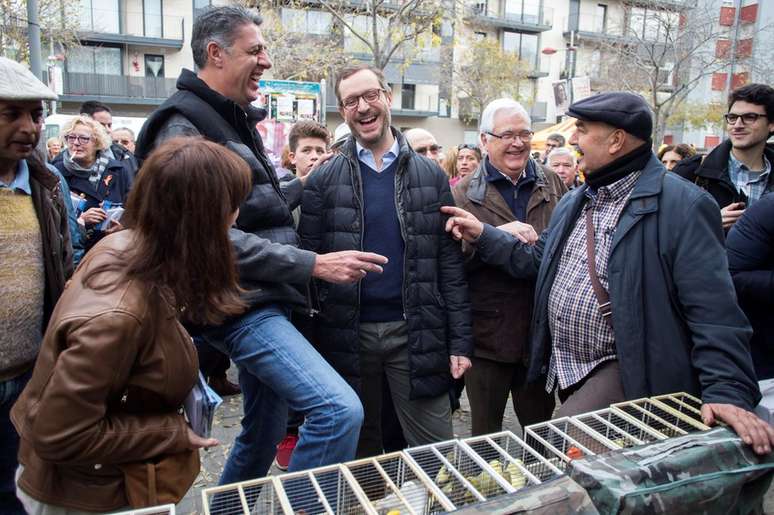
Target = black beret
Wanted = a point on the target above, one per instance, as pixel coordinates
(621, 110)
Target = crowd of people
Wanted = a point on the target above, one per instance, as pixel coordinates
(358, 289)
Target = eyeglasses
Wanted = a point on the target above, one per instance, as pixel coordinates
(508, 137)
(72, 138)
(429, 148)
(370, 96)
(747, 118)
(123, 142)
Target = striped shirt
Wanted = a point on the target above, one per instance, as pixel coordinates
(581, 339)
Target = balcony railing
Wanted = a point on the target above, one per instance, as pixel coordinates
(591, 25)
(121, 87)
(531, 16)
(138, 25)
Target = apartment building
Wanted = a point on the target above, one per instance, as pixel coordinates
(746, 43)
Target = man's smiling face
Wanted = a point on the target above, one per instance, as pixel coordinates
(369, 121)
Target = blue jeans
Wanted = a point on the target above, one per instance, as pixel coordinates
(9, 445)
(278, 369)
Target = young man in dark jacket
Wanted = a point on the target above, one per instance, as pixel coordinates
(35, 251)
(628, 303)
(278, 367)
(507, 186)
(738, 172)
(413, 321)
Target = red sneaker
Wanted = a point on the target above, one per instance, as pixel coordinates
(285, 451)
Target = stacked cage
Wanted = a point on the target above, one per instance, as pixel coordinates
(659, 417)
(442, 477)
(561, 440)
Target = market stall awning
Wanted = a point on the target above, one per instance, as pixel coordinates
(565, 128)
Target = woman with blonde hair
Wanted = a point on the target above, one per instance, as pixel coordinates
(97, 182)
(100, 421)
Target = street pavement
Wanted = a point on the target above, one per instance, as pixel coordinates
(226, 427)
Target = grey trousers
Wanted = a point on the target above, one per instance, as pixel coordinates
(384, 351)
(598, 390)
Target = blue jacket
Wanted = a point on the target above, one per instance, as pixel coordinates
(751, 260)
(677, 323)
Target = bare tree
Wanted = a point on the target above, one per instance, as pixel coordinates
(485, 72)
(384, 29)
(663, 54)
(58, 20)
(297, 54)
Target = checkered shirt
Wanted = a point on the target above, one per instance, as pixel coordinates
(581, 339)
(752, 184)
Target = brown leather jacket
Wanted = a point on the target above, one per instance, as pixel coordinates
(502, 305)
(105, 390)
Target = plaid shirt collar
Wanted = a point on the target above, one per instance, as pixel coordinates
(752, 184)
(614, 191)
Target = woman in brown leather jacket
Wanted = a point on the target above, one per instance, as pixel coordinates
(116, 364)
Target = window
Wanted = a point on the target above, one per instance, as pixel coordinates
(99, 16)
(94, 59)
(653, 25)
(523, 45)
(527, 11)
(306, 21)
(154, 65)
(600, 18)
(151, 11)
(407, 96)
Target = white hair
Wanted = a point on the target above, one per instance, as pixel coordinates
(494, 107)
(561, 151)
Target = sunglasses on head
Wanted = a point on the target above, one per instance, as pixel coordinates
(469, 146)
(430, 148)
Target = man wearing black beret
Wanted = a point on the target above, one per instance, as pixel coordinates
(630, 300)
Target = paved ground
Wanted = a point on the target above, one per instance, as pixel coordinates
(226, 427)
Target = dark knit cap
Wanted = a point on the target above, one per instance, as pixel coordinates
(621, 110)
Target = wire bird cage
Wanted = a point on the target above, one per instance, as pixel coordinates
(167, 509)
(658, 416)
(617, 429)
(462, 476)
(512, 458)
(259, 496)
(683, 403)
(393, 484)
(563, 439)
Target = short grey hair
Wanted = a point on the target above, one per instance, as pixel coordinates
(219, 25)
(125, 129)
(562, 151)
(494, 107)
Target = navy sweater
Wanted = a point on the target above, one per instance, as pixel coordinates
(381, 297)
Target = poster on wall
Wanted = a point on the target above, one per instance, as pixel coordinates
(561, 96)
(581, 88)
(286, 102)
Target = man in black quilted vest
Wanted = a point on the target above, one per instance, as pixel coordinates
(278, 367)
(411, 323)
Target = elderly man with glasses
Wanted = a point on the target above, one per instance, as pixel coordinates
(412, 322)
(738, 171)
(507, 186)
(424, 143)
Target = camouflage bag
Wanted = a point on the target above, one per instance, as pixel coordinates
(559, 496)
(700, 473)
